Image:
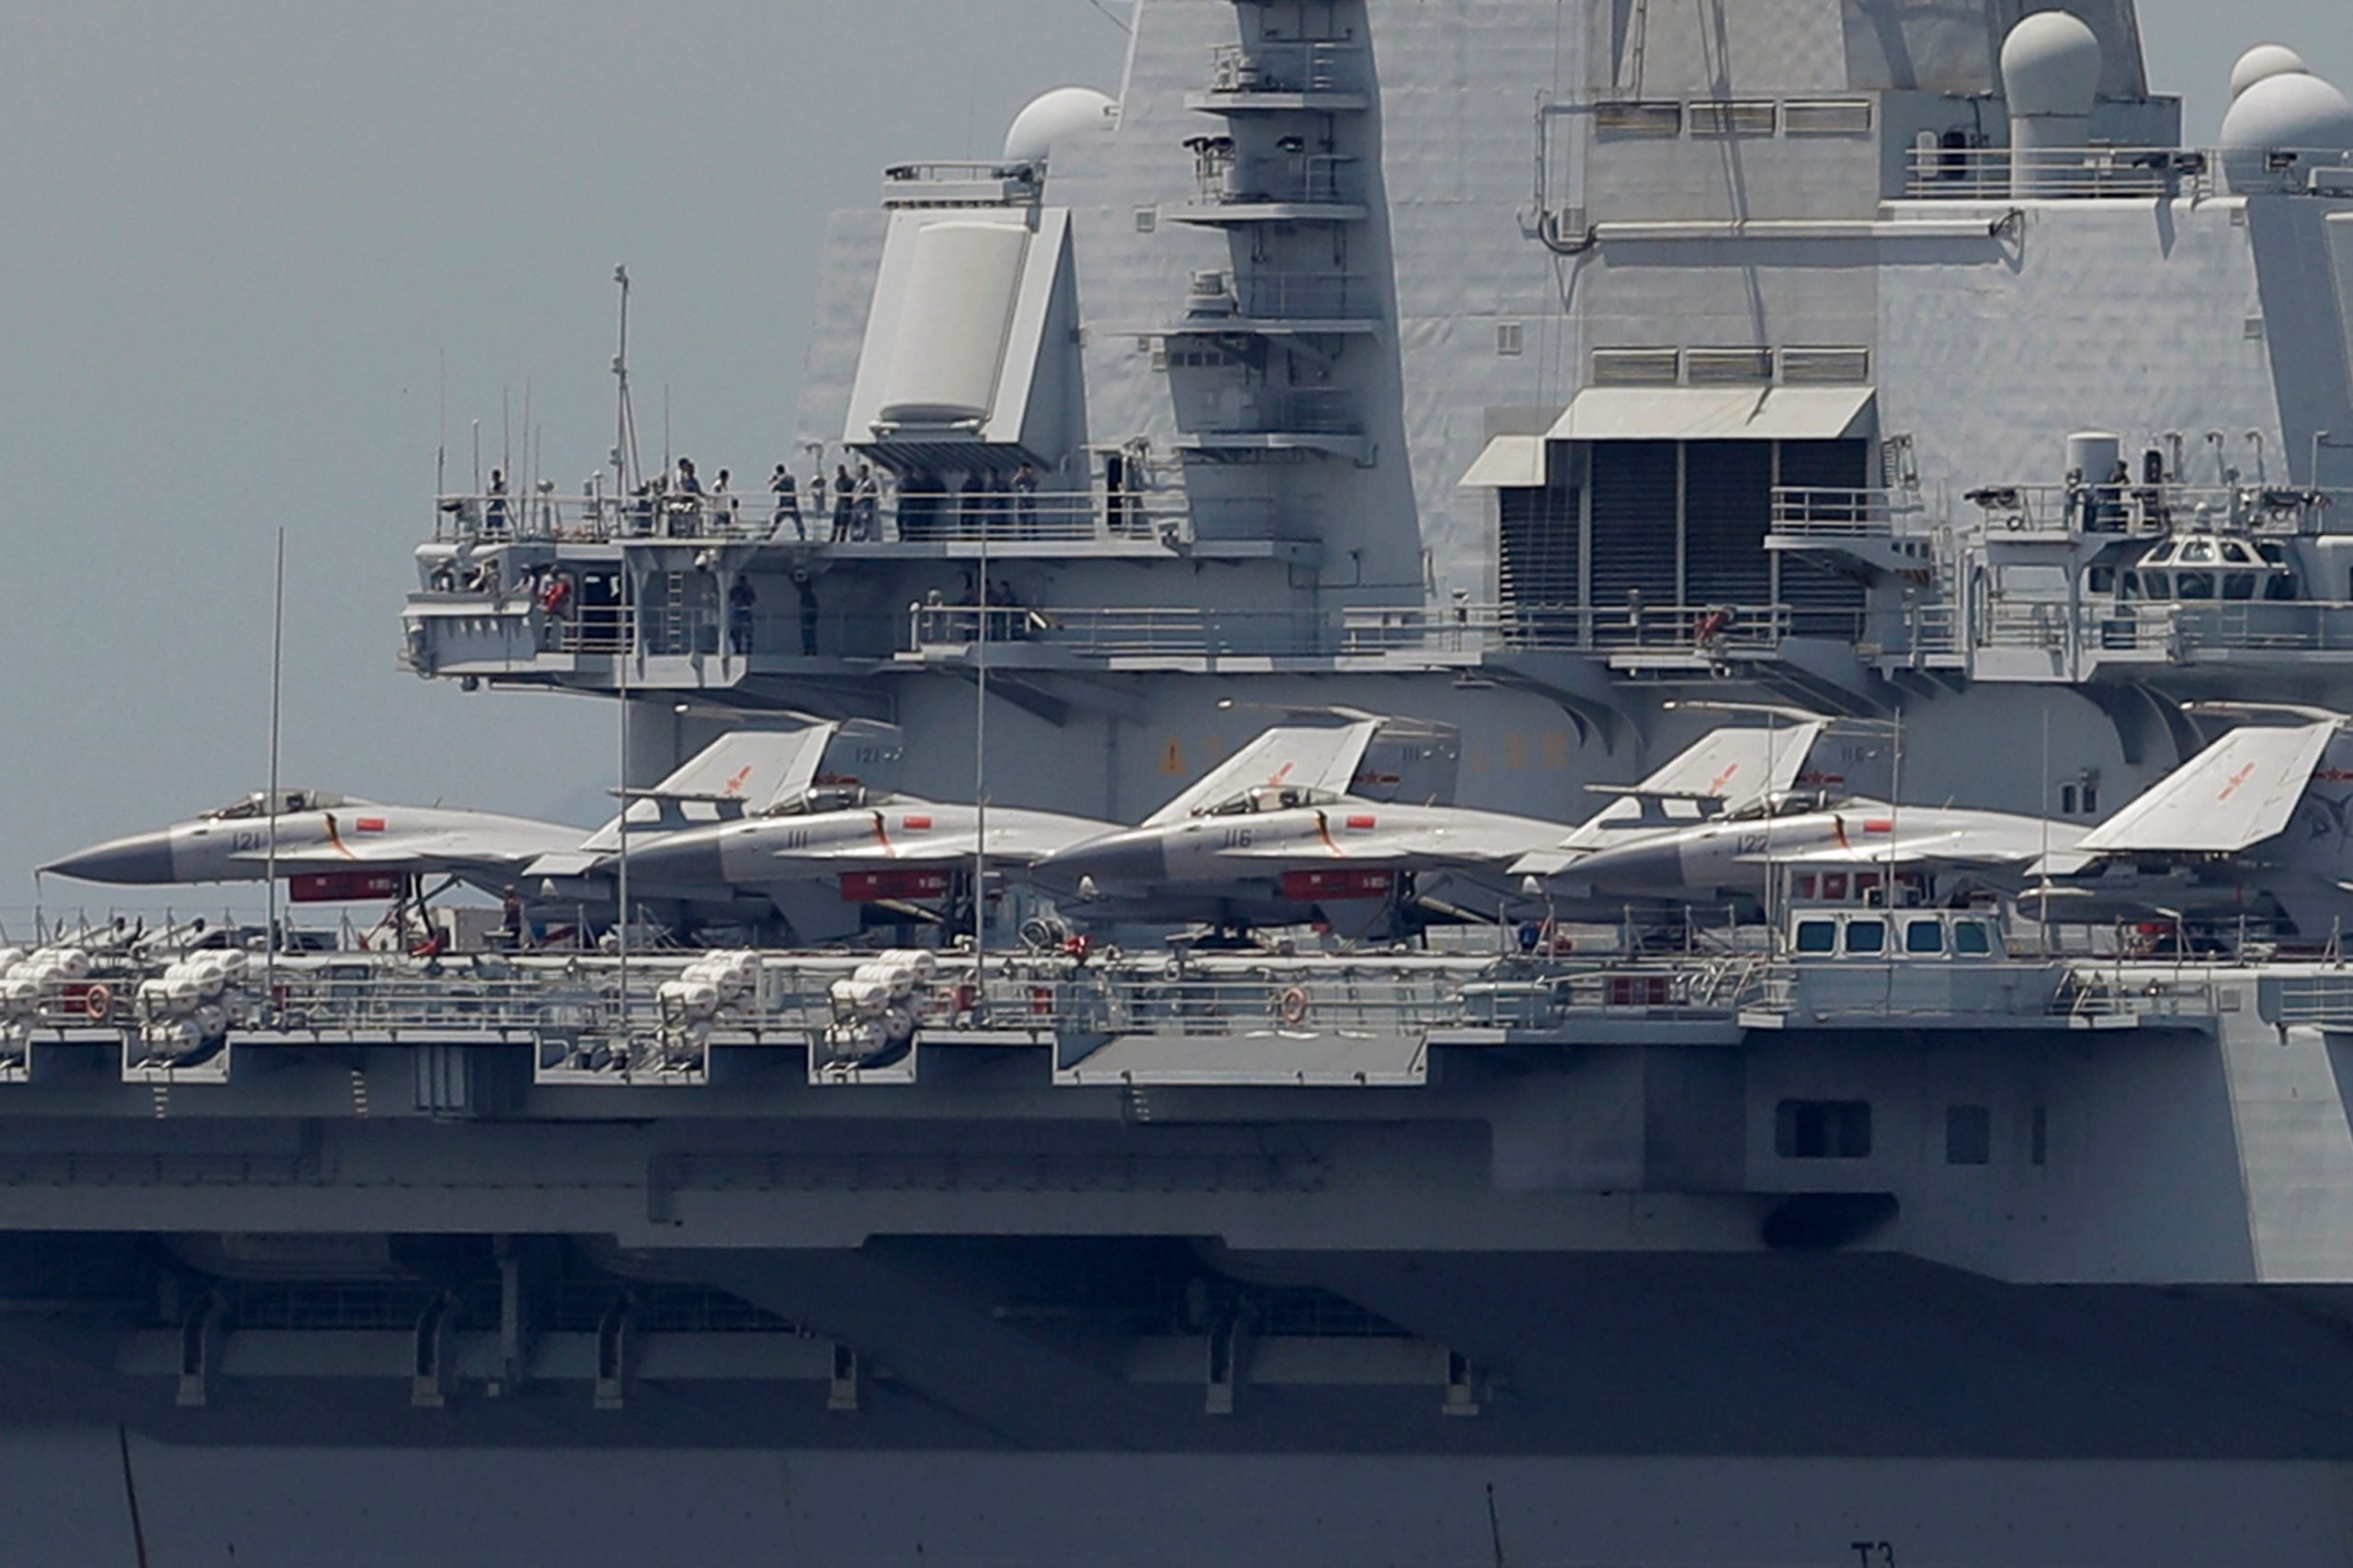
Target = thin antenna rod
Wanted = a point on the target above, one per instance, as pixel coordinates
(625, 464)
(277, 711)
(981, 791)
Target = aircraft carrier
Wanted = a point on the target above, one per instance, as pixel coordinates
(1560, 383)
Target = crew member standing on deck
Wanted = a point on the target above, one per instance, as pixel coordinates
(788, 504)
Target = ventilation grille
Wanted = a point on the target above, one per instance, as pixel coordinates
(1729, 366)
(1826, 367)
(1635, 366)
(1511, 338)
(1634, 117)
(1826, 116)
(1724, 117)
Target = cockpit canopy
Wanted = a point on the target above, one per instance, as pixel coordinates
(259, 804)
(1782, 803)
(2194, 567)
(1272, 798)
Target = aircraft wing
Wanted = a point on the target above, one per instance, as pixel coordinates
(1314, 756)
(1731, 767)
(2231, 796)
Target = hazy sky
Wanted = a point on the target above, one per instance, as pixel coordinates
(239, 242)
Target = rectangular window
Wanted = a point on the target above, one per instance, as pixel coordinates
(2066, 800)
(1827, 116)
(1637, 366)
(1729, 366)
(1632, 117)
(1867, 936)
(1971, 939)
(1722, 116)
(1822, 1130)
(1511, 339)
(1969, 1135)
(1925, 937)
(1826, 367)
(1817, 936)
(1147, 220)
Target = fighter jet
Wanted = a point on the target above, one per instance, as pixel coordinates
(1307, 823)
(335, 848)
(2260, 822)
(1734, 856)
(332, 847)
(1727, 771)
(830, 841)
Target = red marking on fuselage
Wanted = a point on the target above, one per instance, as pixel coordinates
(1879, 824)
(2237, 780)
(369, 825)
(1362, 824)
(1717, 785)
(917, 824)
(735, 786)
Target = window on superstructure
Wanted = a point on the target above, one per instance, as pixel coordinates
(1630, 118)
(1822, 1130)
(1722, 116)
(1826, 116)
(1969, 1135)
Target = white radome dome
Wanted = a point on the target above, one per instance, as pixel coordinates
(2298, 111)
(2050, 65)
(2264, 61)
(1051, 116)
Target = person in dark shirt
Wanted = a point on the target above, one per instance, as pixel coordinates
(807, 591)
(788, 504)
(740, 600)
(844, 489)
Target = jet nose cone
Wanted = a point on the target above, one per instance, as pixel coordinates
(681, 859)
(1121, 859)
(143, 858)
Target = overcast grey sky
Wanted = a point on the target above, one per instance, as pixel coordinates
(239, 240)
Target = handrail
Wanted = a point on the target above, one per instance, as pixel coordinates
(1186, 630)
(896, 514)
(2063, 172)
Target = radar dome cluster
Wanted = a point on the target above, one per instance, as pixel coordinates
(2278, 103)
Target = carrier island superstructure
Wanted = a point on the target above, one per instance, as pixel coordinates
(1564, 372)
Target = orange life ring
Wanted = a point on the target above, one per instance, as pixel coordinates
(99, 1003)
(1293, 1005)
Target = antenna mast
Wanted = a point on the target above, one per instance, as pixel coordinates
(277, 708)
(624, 459)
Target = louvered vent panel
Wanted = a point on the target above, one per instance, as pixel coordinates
(1636, 366)
(1826, 367)
(1826, 116)
(1722, 116)
(1633, 526)
(1632, 117)
(1728, 366)
(1539, 559)
(1727, 509)
(1823, 602)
